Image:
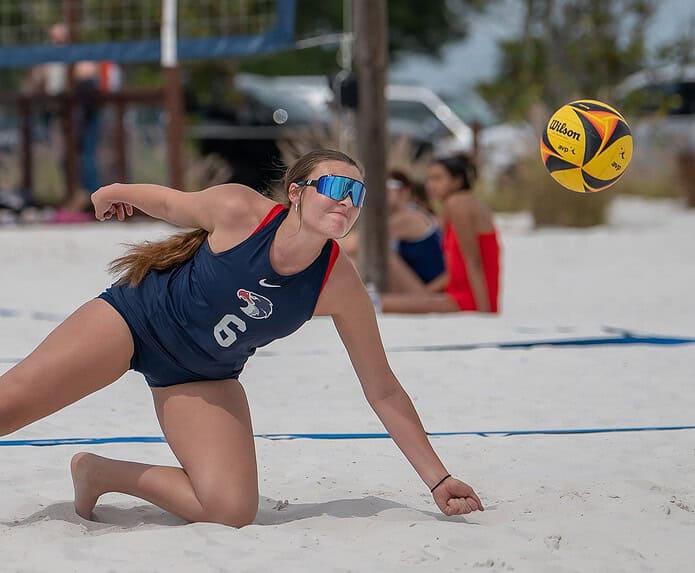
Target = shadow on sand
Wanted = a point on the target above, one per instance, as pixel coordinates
(111, 518)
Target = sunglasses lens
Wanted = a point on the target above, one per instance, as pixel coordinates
(331, 187)
(338, 188)
(358, 193)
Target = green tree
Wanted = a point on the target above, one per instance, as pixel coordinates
(566, 49)
(414, 26)
(680, 50)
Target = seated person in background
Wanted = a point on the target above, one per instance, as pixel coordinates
(416, 262)
(471, 248)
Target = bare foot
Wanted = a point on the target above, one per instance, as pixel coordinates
(86, 492)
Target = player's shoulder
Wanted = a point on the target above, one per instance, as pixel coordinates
(343, 266)
(460, 199)
(240, 202)
(236, 193)
(343, 281)
(461, 204)
(402, 222)
(400, 217)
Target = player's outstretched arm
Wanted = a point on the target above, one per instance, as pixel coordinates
(356, 323)
(200, 210)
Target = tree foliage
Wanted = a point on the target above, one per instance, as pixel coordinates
(414, 26)
(568, 49)
(681, 49)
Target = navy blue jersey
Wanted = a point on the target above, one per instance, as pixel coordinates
(203, 319)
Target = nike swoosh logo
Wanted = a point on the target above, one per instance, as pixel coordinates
(265, 284)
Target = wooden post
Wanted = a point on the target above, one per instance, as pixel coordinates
(26, 135)
(72, 156)
(173, 101)
(476, 143)
(371, 60)
(121, 161)
(173, 96)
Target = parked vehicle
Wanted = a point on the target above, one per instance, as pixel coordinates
(272, 107)
(660, 103)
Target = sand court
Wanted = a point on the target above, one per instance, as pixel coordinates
(610, 501)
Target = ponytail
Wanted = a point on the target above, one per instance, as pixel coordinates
(160, 255)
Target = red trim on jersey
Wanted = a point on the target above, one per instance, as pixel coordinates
(335, 251)
(269, 217)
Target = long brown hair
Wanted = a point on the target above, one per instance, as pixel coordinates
(173, 251)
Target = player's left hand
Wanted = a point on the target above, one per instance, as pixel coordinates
(455, 497)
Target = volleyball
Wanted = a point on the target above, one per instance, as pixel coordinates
(586, 146)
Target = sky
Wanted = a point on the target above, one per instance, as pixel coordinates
(474, 59)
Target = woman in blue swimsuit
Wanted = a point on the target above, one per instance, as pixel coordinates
(417, 262)
(188, 311)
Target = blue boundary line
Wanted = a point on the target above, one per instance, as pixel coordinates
(627, 339)
(590, 341)
(364, 436)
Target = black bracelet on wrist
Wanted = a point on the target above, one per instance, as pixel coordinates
(440, 482)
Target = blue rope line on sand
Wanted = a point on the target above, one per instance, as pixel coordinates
(33, 314)
(562, 342)
(591, 341)
(567, 342)
(367, 436)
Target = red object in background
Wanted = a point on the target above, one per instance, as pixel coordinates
(109, 77)
(459, 287)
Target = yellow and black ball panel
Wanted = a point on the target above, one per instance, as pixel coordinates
(594, 131)
(602, 130)
(610, 163)
(572, 179)
(592, 105)
(564, 172)
(565, 136)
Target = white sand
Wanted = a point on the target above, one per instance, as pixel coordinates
(609, 502)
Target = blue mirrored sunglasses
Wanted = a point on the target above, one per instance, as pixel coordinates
(338, 187)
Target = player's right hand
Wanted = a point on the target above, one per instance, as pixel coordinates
(105, 207)
(455, 497)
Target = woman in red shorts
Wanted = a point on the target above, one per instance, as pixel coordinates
(471, 247)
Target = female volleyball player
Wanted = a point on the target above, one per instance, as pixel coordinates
(471, 248)
(188, 312)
